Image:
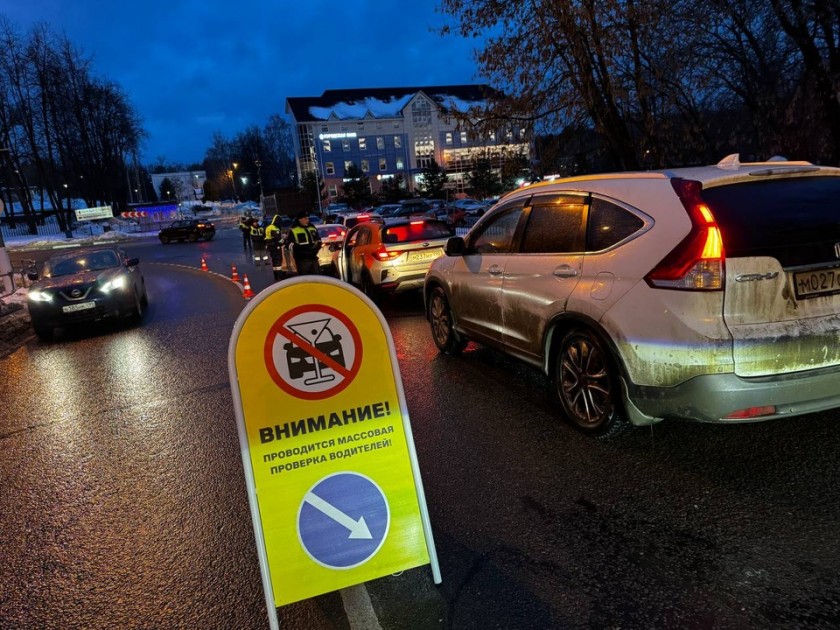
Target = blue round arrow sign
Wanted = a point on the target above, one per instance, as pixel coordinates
(343, 520)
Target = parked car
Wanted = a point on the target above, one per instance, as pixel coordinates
(452, 215)
(187, 230)
(85, 285)
(709, 294)
(332, 236)
(386, 210)
(391, 257)
(349, 219)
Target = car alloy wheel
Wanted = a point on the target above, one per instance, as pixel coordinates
(164, 239)
(440, 319)
(586, 385)
(193, 237)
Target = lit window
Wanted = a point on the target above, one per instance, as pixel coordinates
(327, 147)
(330, 168)
(380, 143)
(345, 144)
(400, 165)
(492, 136)
(383, 164)
(362, 144)
(365, 166)
(449, 138)
(347, 165)
(332, 191)
(463, 137)
(397, 142)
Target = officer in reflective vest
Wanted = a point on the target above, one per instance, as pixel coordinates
(245, 227)
(274, 245)
(305, 244)
(258, 241)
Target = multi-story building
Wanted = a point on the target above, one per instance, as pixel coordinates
(387, 132)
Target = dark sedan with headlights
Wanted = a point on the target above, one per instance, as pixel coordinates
(85, 286)
(187, 230)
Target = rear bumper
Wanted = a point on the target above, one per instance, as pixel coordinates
(710, 398)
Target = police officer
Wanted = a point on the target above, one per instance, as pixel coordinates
(305, 244)
(245, 227)
(274, 245)
(258, 241)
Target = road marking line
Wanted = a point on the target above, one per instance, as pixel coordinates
(359, 608)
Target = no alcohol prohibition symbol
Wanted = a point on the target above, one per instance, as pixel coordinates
(313, 352)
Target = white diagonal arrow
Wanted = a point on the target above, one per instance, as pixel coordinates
(358, 529)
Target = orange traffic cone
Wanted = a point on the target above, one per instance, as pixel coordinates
(247, 293)
(234, 274)
(203, 264)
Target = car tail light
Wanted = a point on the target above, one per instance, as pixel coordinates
(697, 263)
(751, 412)
(384, 255)
(416, 222)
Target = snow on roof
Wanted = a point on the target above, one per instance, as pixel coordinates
(377, 107)
(380, 108)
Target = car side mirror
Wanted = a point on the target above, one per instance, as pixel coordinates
(455, 246)
(132, 262)
(32, 275)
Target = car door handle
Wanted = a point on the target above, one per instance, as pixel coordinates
(565, 271)
(494, 270)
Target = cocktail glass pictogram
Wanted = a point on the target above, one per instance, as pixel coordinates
(317, 333)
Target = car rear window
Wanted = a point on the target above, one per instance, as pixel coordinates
(794, 220)
(332, 232)
(415, 231)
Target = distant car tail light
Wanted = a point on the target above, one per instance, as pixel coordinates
(751, 412)
(384, 255)
(697, 263)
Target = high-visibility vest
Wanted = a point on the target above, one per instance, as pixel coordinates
(304, 235)
(272, 232)
(257, 230)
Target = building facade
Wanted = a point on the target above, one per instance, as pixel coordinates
(386, 132)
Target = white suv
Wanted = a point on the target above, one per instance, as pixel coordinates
(709, 293)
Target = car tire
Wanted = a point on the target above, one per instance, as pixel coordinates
(138, 311)
(164, 240)
(368, 288)
(209, 237)
(145, 299)
(192, 237)
(586, 385)
(442, 323)
(44, 333)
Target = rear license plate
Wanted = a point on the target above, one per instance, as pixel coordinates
(81, 306)
(816, 283)
(424, 255)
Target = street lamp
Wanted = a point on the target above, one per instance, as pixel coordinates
(233, 181)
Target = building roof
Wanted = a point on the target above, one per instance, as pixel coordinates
(359, 103)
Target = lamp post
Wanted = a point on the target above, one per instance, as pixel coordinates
(233, 181)
(69, 231)
(258, 164)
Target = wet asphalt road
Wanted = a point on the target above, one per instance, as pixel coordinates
(123, 500)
